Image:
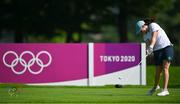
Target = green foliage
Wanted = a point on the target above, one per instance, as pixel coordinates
(160, 6)
(44, 39)
(44, 17)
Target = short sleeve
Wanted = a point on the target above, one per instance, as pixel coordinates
(154, 27)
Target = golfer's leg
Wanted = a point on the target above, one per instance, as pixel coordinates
(166, 65)
(156, 80)
(157, 75)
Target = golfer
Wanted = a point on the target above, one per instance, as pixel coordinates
(159, 44)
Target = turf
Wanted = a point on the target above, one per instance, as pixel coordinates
(87, 95)
(91, 95)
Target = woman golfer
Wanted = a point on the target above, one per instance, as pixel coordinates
(159, 44)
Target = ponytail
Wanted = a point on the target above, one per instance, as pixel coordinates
(149, 20)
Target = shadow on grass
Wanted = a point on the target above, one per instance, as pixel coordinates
(107, 86)
(174, 86)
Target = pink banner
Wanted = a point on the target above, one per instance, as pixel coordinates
(42, 63)
(109, 58)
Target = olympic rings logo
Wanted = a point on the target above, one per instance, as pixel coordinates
(27, 65)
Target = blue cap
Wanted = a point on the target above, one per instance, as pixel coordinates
(139, 25)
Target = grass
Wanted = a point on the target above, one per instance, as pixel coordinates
(88, 95)
(92, 95)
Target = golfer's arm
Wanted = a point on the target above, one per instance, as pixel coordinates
(154, 38)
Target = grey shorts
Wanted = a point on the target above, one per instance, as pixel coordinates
(166, 53)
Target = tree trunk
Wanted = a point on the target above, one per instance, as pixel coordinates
(18, 37)
(69, 37)
(18, 22)
(122, 25)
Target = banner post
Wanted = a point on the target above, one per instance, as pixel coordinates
(143, 65)
(90, 63)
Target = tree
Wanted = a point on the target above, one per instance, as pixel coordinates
(45, 16)
(129, 9)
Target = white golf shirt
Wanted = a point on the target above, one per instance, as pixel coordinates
(162, 40)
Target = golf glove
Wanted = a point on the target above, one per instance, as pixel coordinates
(149, 51)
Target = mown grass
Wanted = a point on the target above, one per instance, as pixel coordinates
(92, 95)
